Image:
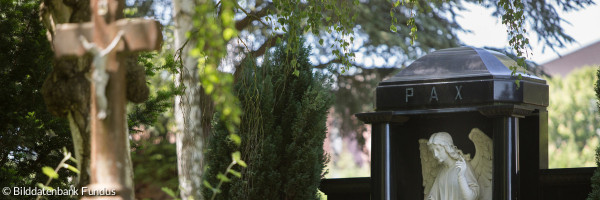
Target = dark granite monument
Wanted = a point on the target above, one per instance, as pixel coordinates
(456, 92)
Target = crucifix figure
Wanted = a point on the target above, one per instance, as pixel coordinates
(99, 75)
(110, 159)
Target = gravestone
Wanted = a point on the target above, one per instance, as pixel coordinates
(464, 94)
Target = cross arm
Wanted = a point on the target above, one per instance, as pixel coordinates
(139, 35)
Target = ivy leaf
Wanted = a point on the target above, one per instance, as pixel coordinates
(169, 192)
(207, 184)
(235, 173)
(242, 163)
(42, 186)
(73, 159)
(73, 169)
(49, 172)
(237, 158)
(223, 178)
(294, 63)
(237, 140)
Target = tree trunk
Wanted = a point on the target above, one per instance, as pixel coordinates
(66, 90)
(190, 136)
(81, 145)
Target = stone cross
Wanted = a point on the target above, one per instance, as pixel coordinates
(109, 140)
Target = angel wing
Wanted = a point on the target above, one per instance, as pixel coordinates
(429, 166)
(482, 162)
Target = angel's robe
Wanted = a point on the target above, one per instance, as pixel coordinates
(446, 184)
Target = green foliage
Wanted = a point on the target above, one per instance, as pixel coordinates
(574, 120)
(411, 20)
(30, 137)
(170, 192)
(53, 173)
(595, 193)
(541, 17)
(515, 14)
(213, 29)
(155, 162)
(212, 34)
(148, 112)
(339, 21)
(162, 92)
(282, 130)
(222, 177)
(513, 18)
(153, 156)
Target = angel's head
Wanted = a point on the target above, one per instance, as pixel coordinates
(443, 148)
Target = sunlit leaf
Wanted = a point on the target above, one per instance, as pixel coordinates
(235, 173)
(236, 156)
(73, 169)
(169, 192)
(228, 33)
(49, 172)
(237, 140)
(242, 163)
(42, 186)
(207, 184)
(223, 178)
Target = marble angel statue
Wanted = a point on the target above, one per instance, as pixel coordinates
(450, 174)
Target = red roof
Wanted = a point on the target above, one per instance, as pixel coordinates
(586, 56)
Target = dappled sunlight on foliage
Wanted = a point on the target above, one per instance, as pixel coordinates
(574, 121)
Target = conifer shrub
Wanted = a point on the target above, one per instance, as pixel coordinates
(283, 127)
(595, 194)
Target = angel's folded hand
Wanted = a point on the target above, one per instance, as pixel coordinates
(461, 165)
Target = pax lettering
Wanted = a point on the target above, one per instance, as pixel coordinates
(433, 93)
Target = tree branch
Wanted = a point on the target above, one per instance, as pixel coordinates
(252, 16)
(323, 65)
(267, 44)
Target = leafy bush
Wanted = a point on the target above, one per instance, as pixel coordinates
(574, 120)
(30, 137)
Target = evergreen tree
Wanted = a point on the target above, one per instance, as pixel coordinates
(595, 194)
(283, 128)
